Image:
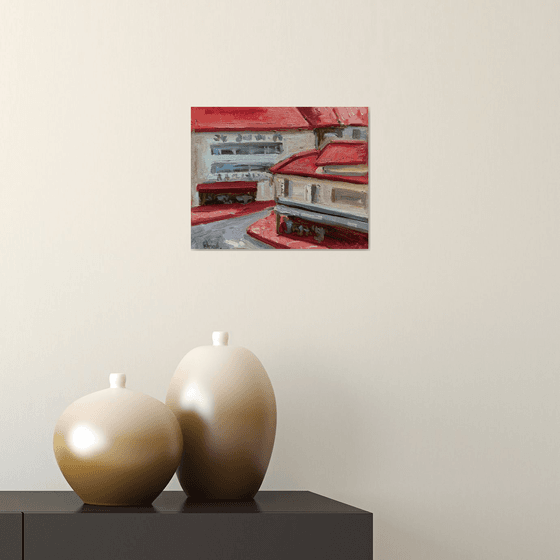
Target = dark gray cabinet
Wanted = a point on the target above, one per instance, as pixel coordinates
(274, 526)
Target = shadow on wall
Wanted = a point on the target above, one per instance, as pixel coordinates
(391, 542)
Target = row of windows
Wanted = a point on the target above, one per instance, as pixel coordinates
(246, 149)
(338, 195)
(239, 167)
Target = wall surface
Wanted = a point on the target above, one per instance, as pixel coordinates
(418, 380)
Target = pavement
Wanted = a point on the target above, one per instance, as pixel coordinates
(228, 234)
(216, 212)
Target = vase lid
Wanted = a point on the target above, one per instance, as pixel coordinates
(220, 338)
(117, 380)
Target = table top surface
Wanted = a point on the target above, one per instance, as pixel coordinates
(176, 502)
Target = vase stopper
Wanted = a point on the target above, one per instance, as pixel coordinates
(117, 380)
(220, 338)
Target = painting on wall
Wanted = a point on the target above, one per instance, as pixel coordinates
(279, 178)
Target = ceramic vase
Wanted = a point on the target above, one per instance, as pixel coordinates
(117, 447)
(225, 404)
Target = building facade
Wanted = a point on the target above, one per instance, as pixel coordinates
(324, 192)
(233, 149)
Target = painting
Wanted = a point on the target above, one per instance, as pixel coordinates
(279, 178)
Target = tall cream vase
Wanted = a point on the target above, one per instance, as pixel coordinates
(225, 405)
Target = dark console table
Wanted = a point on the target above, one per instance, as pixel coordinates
(273, 526)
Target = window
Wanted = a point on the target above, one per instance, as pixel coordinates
(359, 134)
(334, 133)
(349, 197)
(286, 188)
(314, 194)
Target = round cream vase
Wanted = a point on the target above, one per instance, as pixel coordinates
(117, 447)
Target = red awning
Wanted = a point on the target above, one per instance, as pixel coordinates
(343, 153)
(228, 187)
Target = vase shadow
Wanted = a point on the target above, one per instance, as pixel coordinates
(89, 508)
(213, 506)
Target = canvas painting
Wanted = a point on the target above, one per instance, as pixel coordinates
(279, 178)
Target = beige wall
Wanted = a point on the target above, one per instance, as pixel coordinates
(419, 379)
(301, 193)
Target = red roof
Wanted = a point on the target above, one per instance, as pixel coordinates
(343, 153)
(228, 186)
(210, 119)
(304, 164)
(238, 119)
(352, 116)
(320, 117)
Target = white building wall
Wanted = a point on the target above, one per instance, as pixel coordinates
(300, 191)
(208, 167)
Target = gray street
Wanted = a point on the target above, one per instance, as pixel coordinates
(228, 234)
